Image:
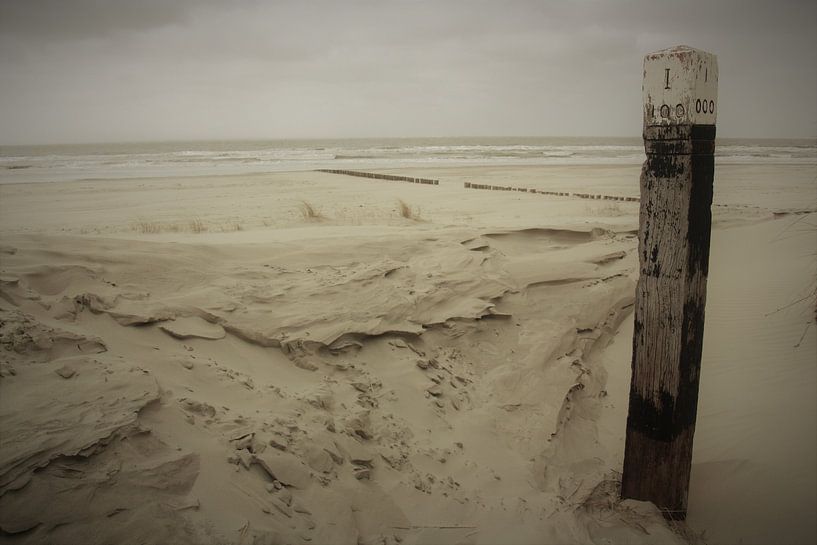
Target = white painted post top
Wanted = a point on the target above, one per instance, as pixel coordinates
(680, 87)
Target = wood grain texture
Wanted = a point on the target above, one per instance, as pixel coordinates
(674, 237)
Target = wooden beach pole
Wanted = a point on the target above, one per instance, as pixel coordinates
(680, 104)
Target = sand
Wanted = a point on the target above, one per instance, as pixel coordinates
(193, 360)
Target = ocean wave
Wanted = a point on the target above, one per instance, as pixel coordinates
(339, 156)
(172, 159)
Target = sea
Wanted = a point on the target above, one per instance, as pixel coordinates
(55, 163)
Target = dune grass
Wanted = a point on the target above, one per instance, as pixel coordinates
(195, 225)
(407, 211)
(146, 227)
(309, 212)
(606, 209)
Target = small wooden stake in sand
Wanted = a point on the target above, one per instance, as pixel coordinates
(680, 103)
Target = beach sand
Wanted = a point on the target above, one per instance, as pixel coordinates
(198, 360)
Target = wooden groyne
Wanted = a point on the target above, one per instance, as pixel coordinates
(469, 185)
(373, 175)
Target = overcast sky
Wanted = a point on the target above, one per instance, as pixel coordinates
(97, 70)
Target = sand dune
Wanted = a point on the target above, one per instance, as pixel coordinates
(363, 378)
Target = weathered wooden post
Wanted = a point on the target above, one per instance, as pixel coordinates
(680, 102)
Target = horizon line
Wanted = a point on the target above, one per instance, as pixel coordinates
(306, 139)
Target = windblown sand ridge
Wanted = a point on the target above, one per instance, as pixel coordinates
(368, 365)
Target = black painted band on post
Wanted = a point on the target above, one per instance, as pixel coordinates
(680, 140)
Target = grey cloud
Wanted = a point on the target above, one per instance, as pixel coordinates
(89, 70)
(60, 20)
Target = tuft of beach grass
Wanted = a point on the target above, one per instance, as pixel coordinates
(147, 227)
(407, 211)
(309, 212)
(197, 226)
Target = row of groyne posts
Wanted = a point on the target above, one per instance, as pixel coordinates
(390, 177)
(470, 185)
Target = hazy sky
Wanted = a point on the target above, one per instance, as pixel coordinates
(111, 70)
